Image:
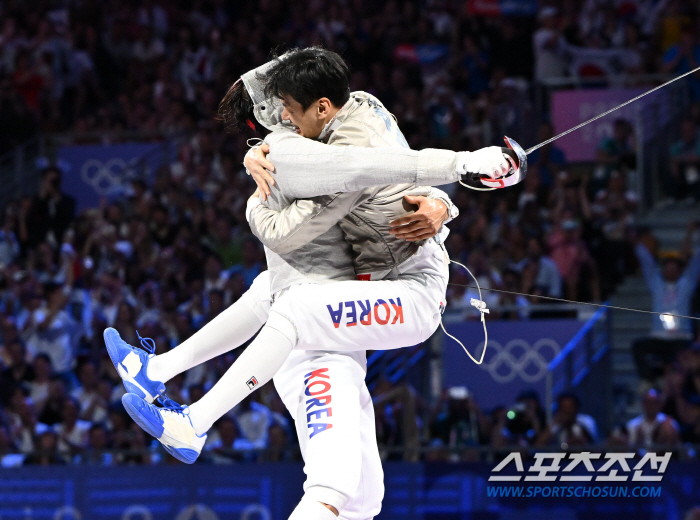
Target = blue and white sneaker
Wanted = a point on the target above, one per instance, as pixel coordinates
(170, 424)
(132, 364)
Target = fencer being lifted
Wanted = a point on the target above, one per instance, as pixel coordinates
(312, 238)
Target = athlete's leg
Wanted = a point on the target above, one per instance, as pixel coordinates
(419, 309)
(381, 315)
(355, 316)
(144, 373)
(323, 393)
(366, 502)
(230, 329)
(405, 312)
(254, 367)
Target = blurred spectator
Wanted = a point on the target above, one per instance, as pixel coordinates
(512, 282)
(521, 424)
(685, 163)
(569, 428)
(41, 382)
(50, 212)
(652, 426)
(52, 411)
(548, 43)
(615, 153)
(221, 444)
(612, 213)
(148, 46)
(48, 330)
(46, 453)
(24, 425)
(672, 289)
(549, 159)
(539, 272)
(397, 410)
(254, 420)
(9, 246)
(458, 422)
(573, 260)
(278, 448)
(98, 442)
(93, 406)
(18, 373)
(73, 433)
(684, 57)
(681, 391)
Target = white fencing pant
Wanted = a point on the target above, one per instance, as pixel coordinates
(326, 394)
(377, 315)
(343, 460)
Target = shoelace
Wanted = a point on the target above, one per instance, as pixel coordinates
(147, 343)
(168, 404)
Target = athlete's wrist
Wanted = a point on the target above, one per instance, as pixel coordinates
(451, 210)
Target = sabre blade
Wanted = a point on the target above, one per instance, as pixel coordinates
(545, 143)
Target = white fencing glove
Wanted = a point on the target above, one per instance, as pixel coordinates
(488, 167)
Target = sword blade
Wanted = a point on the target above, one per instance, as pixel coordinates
(640, 96)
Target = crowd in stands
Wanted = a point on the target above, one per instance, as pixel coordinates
(170, 254)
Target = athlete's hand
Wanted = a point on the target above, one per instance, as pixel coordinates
(424, 223)
(490, 162)
(257, 165)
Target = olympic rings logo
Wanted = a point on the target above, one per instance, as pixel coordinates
(530, 365)
(105, 178)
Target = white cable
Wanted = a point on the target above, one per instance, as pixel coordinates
(475, 189)
(481, 307)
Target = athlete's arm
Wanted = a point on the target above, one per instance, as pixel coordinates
(351, 168)
(302, 221)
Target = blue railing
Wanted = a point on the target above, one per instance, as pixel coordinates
(581, 354)
(393, 365)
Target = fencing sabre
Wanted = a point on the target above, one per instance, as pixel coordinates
(517, 157)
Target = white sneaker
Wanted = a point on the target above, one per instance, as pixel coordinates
(170, 424)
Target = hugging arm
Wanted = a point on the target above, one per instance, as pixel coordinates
(285, 230)
(302, 221)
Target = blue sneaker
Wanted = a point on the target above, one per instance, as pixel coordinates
(132, 364)
(170, 424)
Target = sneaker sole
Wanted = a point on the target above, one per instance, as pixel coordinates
(112, 350)
(131, 385)
(183, 454)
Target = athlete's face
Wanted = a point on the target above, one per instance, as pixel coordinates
(310, 122)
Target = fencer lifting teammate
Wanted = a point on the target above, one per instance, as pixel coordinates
(324, 224)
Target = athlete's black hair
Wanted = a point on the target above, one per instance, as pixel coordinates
(236, 110)
(308, 75)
